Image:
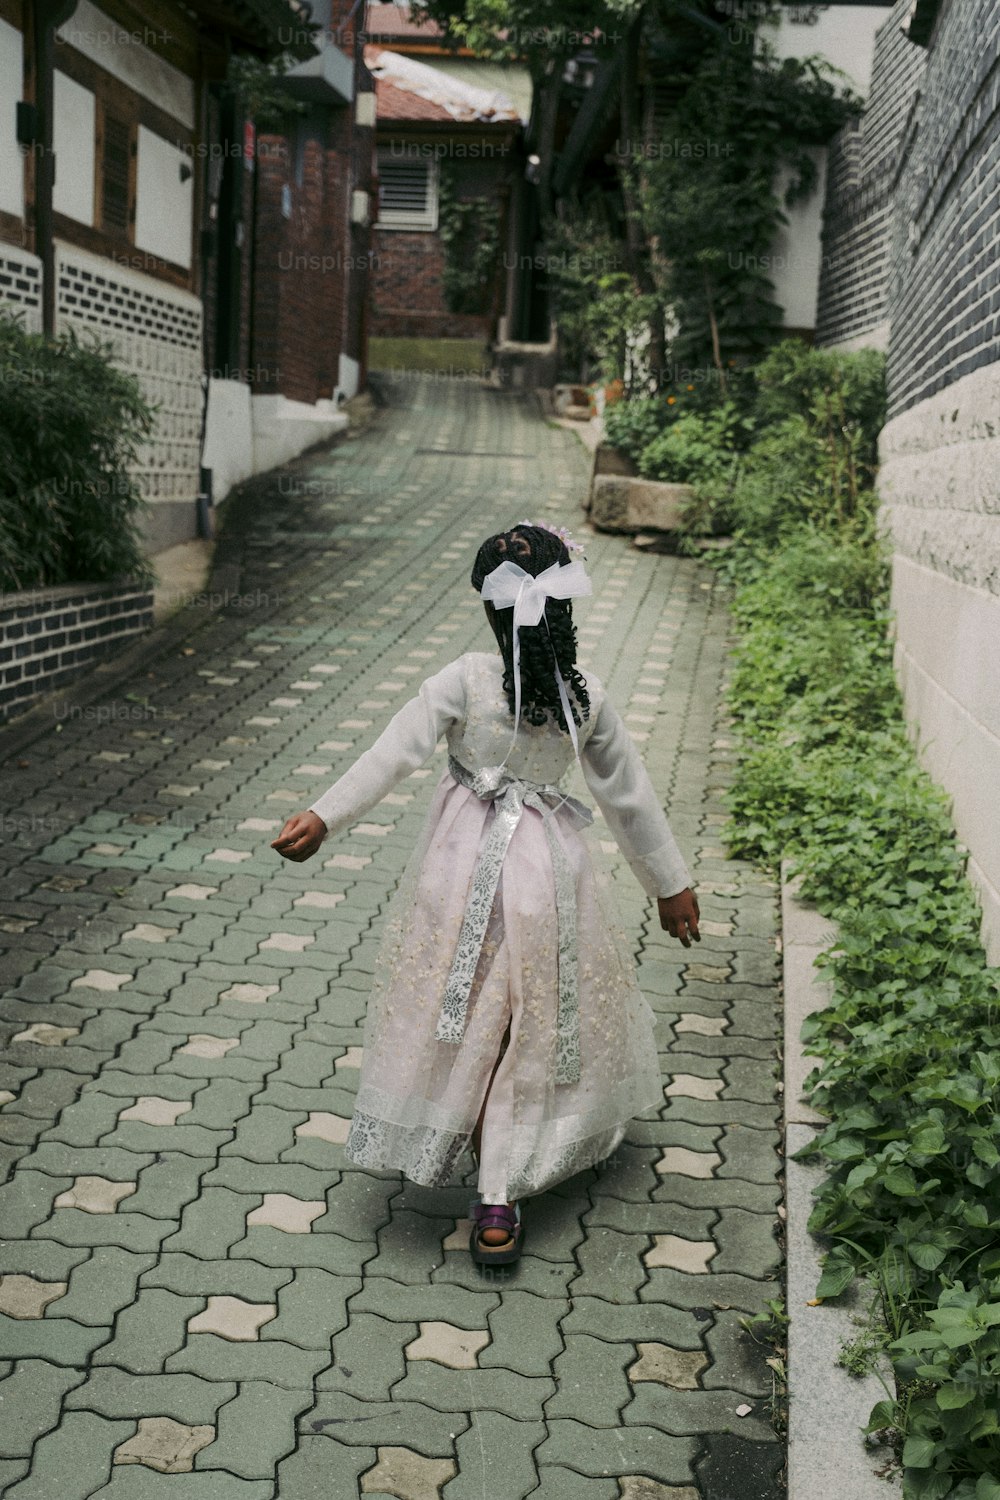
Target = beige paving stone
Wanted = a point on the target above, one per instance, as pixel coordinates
(110, 851)
(147, 932)
(287, 942)
(690, 1020)
(679, 1368)
(335, 745)
(324, 900)
(213, 765)
(258, 825)
(324, 668)
(101, 979)
(44, 1034)
(305, 686)
(24, 1297)
(112, 755)
(458, 1239)
(284, 702)
(153, 1110)
(249, 994)
(693, 1086)
(347, 862)
(708, 973)
(688, 1163)
(716, 929)
(6, 1096)
(95, 1195)
(446, 1344)
(373, 830)
(640, 1487)
(325, 1127)
(408, 1475)
(309, 770)
(263, 721)
(164, 1445)
(351, 1059)
(293, 1215)
(194, 892)
(355, 724)
(175, 789)
(229, 856)
(680, 1254)
(199, 1044)
(232, 1318)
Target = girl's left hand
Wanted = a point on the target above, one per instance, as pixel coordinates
(301, 836)
(679, 915)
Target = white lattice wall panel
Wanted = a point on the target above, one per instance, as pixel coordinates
(21, 285)
(155, 331)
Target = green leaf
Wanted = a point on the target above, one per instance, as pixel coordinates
(837, 1274)
(901, 1180)
(987, 1487)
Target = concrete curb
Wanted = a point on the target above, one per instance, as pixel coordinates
(828, 1458)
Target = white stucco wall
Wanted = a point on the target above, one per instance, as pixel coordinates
(73, 138)
(11, 90)
(126, 54)
(164, 201)
(940, 488)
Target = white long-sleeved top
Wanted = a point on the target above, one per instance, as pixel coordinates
(466, 704)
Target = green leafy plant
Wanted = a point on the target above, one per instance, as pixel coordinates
(908, 1049)
(469, 229)
(71, 424)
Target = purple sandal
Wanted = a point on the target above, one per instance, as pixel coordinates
(496, 1216)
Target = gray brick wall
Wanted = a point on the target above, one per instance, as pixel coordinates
(862, 169)
(49, 636)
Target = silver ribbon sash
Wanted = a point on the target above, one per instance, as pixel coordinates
(511, 796)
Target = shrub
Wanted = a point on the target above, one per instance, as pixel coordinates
(70, 426)
(630, 426)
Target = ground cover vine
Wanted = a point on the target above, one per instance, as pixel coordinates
(909, 1049)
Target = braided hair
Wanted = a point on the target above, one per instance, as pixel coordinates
(550, 643)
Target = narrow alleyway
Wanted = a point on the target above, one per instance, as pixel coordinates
(201, 1299)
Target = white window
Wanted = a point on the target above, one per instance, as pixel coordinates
(407, 188)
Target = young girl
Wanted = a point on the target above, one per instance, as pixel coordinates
(504, 1008)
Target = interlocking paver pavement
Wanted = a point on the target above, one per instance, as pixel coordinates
(201, 1299)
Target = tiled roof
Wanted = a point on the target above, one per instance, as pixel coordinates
(404, 84)
(385, 23)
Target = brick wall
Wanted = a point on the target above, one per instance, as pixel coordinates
(863, 163)
(49, 636)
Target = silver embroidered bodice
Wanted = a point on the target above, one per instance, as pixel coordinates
(465, 703)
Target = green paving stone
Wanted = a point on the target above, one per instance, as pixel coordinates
(495, 1445)
(30, 1400)
(255, 1431)
(590, 1383)
(103, 1285)
(505, 1391)
(27, 1200)
(294, 1179)
(749, 1153)
(43, 1096)
(73, 1460)
(306, 1065)
(215, 1358)
(689, 1289)
(368, 1357)
(119, 1393)
(409, 1246)
(44, 1259)
(165, 1187)
(338, 1101)
(124, 1086)
(188, 1140)
(134, 1232)
(695, 1413)
(384, 1424)
(265, 1133)
(529, 1274)
(651, 1218)
(737, 1359)
(556, 1483)
(611, 1265)
(266, 1039)
(136, 1482)
(312, 1307)
(150, 1329)
(321, 1470)
(145, 1052)
(159, 977)
(722, 1112)
(69, 1162)
(602, 1451)
(524, 1332)
(11, 1469)
(673, 1133)
(212, 1223)
(637, 1322)
(746, 1243)
(553, 1223)
(232, 1066)
(719, 1192)
(428, 1304)
(59, 1340)
(359, 1205)
(327, 1252)
(221, 1105)
(629, 1173)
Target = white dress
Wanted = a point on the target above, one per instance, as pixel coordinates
(582, 1059)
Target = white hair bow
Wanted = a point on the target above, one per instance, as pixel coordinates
(511, 586)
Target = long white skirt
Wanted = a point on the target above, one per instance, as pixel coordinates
(419, 1098)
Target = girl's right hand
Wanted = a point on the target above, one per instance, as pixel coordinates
(301, 836)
